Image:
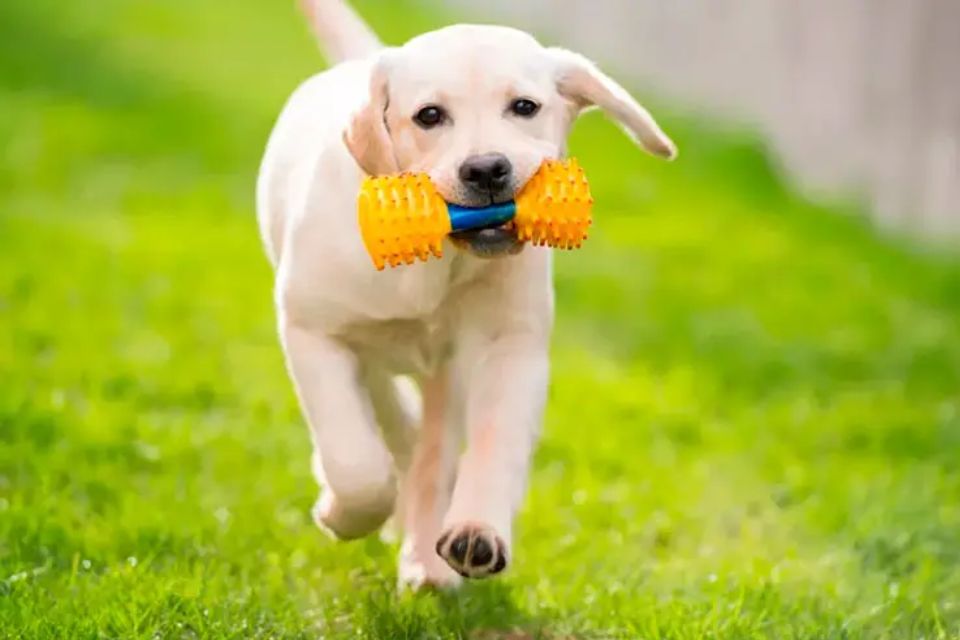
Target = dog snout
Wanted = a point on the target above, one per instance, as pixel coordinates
(489, 173)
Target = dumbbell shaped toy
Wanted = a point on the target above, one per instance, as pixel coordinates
(403, 217)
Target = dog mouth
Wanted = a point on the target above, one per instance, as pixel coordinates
(493, 241)
(489, 242)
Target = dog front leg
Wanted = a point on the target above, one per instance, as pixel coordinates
(350, 459)
(505, 382)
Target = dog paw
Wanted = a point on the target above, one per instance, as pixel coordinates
(348, 522)
(417, 575)
(473, 550)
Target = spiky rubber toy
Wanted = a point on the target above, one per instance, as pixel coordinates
(403, 217)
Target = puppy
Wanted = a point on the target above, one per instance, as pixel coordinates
(423, 386)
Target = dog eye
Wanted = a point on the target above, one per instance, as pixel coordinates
(524, 107)
(430, 116)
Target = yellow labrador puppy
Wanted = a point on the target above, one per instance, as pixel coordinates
(446, 449)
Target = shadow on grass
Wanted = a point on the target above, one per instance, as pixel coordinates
(479, 610)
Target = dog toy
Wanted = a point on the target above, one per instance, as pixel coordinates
(403, 217)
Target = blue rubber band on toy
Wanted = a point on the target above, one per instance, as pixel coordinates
(465, 218)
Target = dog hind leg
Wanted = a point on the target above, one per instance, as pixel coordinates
(425, 492)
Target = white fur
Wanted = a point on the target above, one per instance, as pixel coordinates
(473, 333)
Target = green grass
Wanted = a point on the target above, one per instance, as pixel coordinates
(754, 421)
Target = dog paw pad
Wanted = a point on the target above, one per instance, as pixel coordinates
(473, 550)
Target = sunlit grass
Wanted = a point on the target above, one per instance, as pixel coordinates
(753, 425)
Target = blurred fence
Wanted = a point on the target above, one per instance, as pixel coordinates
(856, 97)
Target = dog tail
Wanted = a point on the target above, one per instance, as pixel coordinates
(342, 33)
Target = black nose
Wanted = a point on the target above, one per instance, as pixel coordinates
(488, 173)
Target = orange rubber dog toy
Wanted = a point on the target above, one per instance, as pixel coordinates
(403, 217)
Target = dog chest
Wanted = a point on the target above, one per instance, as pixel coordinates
(401, 346)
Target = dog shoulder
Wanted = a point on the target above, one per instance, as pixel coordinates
(305, 152)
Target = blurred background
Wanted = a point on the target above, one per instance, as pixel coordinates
(858, 99)
(754, 415)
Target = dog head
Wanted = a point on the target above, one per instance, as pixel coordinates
(478, 108)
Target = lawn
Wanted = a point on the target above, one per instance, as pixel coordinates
(754, 420)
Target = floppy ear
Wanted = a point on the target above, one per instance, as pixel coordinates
(367, 136)
(580, 81)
